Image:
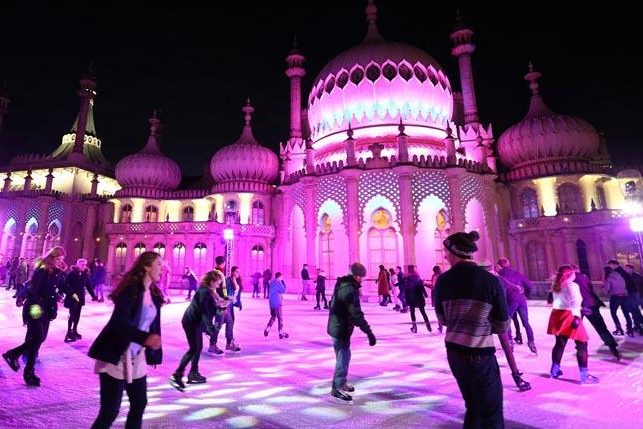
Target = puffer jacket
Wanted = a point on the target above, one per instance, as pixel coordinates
(345, 310)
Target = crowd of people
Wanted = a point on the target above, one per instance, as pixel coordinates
(474, 301)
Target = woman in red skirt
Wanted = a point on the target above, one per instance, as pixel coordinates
(565, 322)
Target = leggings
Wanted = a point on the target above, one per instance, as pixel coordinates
(559, 348)
(74, 316)
(194, 334)
(111, 394)
(422, 312)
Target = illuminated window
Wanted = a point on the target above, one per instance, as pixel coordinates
(257, 263)
(52, 236)
(258, 213)
(200, 256)
(188, 214)
(627, 252)
(151, 214)
(529, 203)
(138, 249)
(381, 218)
(120, 257)
(126, 213)
(231, 214)
(569, 198)
(178, 258)
(536, 261)
(583, 260)
(382, 249)
(160, 249)
(9, 238)
(441, 220)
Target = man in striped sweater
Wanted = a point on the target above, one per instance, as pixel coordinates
(471, 304)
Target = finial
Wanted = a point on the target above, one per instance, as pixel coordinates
(295, 42)
(371, 12)
(248, 109)
(154, 124)
(479, 139)
(401, 128)
(532, 77)
(449, 130)
(349, 132)
(372, 36)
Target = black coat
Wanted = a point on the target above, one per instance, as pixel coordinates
(202, 309)
(76, 283)
(43, 291)
(122, 329)
(414, 290)
(590, 299)
(345, 310)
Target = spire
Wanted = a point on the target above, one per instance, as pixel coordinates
(152, 145)
(537, 106)
(246, 136)
(372, 35)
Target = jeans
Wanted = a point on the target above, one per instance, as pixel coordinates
(521, 309)
(599, 325)
(479, 381)
(343, 359)
(194, 334)
(275, 313)
(219, 319)
(111, 394)
(305, 287)
(632, 308)
(36, 333)
(321, 295)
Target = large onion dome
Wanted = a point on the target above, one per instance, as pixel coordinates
(545, 142)
(376, 84)
(244, 165)
(149, 168)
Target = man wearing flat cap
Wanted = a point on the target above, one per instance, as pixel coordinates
(344, 314)
(471, 304)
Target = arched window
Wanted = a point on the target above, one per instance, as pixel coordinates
(8, 238)
(569, 199)
(200, 259)
(160, 249)
(327, 247)
(126, 213)
(536, 261)
(529, 203)
(382, 242)
(53, 235)
(188, 214)
(30, 239)
(231, 215)
(178, 258)
(581, 253)
(138, 249)
(151, 214)
(258, 213)
(120, 257)
(257, 264)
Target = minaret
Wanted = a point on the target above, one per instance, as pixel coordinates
(462, 50)
(87, 93)
(4, 103)
(295, 72)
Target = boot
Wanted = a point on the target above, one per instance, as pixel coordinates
(532, 347)
(283, 335)
(233, 347)
(555, 370)
(518, 339)
(616, 352)
(326, 308)
(77, 335)
(265, 331)
(414, 328)
(397, 307)
(70, 338)
(586, 377)
(214, 350)
(428, 326)
(31, 378)
(11, 360)
(618, 331)
(317, 307)
(177, 382)
(195, 378)
(629, 332)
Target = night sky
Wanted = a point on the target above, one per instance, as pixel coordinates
(198, 67)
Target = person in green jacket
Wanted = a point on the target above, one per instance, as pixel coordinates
(344, 314)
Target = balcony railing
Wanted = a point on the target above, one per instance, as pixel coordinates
(205, 227)
(576, 220)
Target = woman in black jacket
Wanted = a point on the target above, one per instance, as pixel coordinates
(75, 284)
(131, 338)
(39, 309)
(415, 294)
(198, 316)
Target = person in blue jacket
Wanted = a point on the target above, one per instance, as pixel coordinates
(275, 300)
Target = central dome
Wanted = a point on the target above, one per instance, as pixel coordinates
(379, 83)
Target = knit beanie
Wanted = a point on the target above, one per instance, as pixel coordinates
(462, 244)
(358, 270)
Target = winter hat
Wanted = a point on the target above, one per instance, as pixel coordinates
(358, 270)
(462, 244)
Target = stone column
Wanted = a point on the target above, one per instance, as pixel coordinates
(310, 223)
(21, 223)
(45, 202)
(351, 217)
(89, 242)
(407, 224)
(456, 217)
(570, 249)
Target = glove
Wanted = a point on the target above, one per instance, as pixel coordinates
(371, 339)
(522, 385)
(576, 323)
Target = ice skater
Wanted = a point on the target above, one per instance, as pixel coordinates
(275, 301)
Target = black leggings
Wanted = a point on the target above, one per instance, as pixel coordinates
(36, 333)
(111, 394)
(194, 334)
(559, 348)
(422, 312)
(74, 316)
(321, 295)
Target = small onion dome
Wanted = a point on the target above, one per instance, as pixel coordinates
(244, 162)
(545, 142)
(149, 168)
